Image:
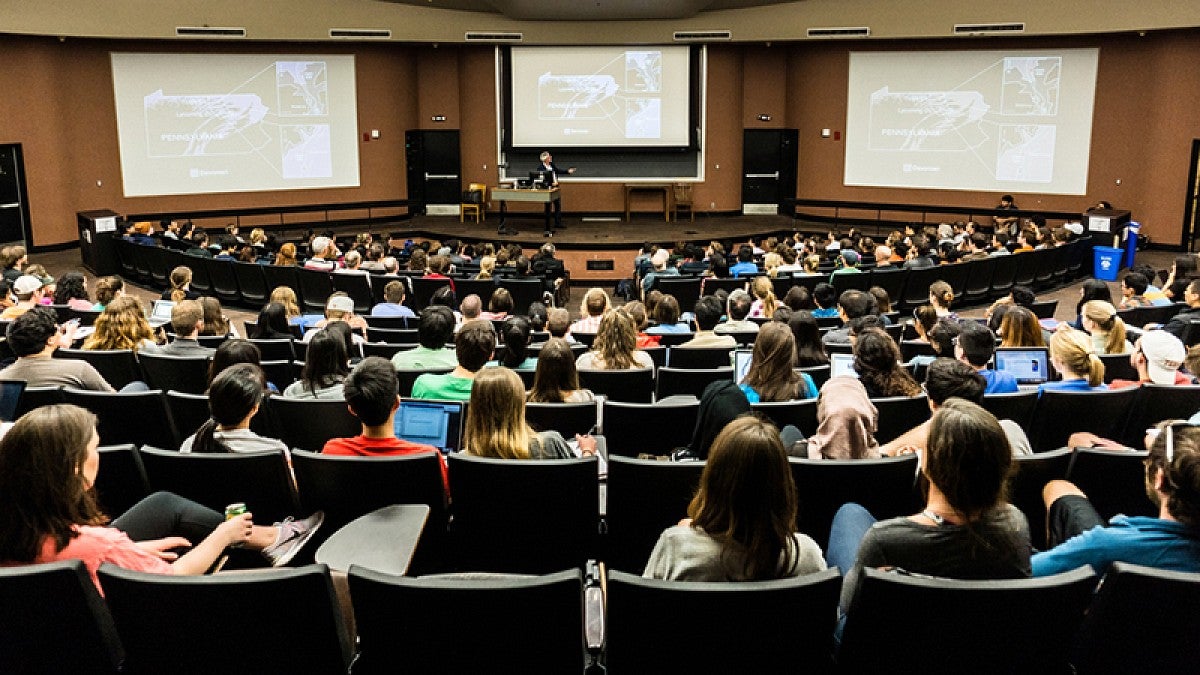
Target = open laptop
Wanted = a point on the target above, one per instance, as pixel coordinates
(160, 313)
(436, 423)
(842, 364)
(1029, 365)
(742, 358)
(10, 399)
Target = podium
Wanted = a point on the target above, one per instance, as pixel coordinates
(97, 232)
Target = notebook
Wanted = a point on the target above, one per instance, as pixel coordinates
(742, 358)
(1029, 365)
(436, 423)
(842, 364)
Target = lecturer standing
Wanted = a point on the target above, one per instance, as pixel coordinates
(551, 171)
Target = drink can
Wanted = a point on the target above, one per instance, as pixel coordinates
(234, 510)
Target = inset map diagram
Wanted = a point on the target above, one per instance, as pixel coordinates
(1030, 85)
(1025, 153)
(240, 122)
(626, 91)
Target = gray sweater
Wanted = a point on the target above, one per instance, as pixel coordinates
(686, 553)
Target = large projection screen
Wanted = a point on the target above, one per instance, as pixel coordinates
(207, 123)
(1000, 121)
(600, 96)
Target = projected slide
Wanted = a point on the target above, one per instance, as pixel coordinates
(599, 96)
(987, 120)
(228, 123)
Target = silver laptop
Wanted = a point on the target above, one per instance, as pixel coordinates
(742, 358)
(842, 364)
(1029, 365)
(160, 313)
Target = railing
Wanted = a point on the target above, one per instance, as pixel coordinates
(880, 208)
(237, 215)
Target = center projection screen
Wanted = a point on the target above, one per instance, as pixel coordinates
(600, 96)
(995, 121)
(211, 123)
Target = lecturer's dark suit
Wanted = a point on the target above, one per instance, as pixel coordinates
(552, 174)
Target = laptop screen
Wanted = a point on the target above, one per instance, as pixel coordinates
(741, 364)
(1029, 365)
(10, 399)
(436, 423)
(162, 309)
(842, 364)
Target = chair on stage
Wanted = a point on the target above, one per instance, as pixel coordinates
(681, 197)
(474, 200)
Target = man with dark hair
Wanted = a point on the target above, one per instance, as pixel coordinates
(976, 246)
(920, 254)
(737, 308)
(707, 314)
(852, 304)
(825, 295)
(393, 305)
(1178, 324)
(946, 379)
(473, 346)
(434, 330)
(975, 347)
(1023, 296)
(745, 264)
(693, 261)
(1133, 290)
(187, 320)
(1000, 244)
(372, 394)
(33, 337)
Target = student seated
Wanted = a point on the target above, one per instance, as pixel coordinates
(473, 346)
(496, 425)
(1072, 356)
(393, 305)
(435, 329)
(33, 337)
(234, 398)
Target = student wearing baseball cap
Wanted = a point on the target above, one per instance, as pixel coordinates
(1157, 355)
(29, 292)
(339, 307)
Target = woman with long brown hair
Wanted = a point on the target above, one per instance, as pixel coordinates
(556, 379)
(741, 524)
(615, 347)
(771, 376)
(877, 362)
(1020, 328)
(181, 282)
(122, 325)
(496, 425)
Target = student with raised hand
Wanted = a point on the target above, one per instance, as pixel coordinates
(1072, 356)
(234, 398)
(1079, 536)
(967, 529)
(48, 511)
(741, 523)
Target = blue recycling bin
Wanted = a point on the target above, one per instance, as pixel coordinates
(1107, 263)
(1131, 240)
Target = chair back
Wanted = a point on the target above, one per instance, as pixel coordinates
(182, 373)
(885, 487)
(358, 287)
(685, 290)
(567, 419)
(898, 414)
(118, 367)
(406, 624)
(252, 283)
(261, 480)
(315, 287)
(631, 429)
(54, 621)
(1155, 403)
(392, 322)
(504, 510)
(280, 349)
(1018, 406)
(407, 376)
(1115, 482)
(289, 618)
(394, 336)
(1036, 617)
(189, 411)
(645, 497)
(122, 483)
(524, 292)
(819, 374)
(140, 418)
(634, 386)
(800, 414)
(1044, 309)
(285, 276)
(1060, 413)
(699, 357)
(652, 624)
(1141, 620)
(1026, 484)
(481, 287)
(36, 397)
(674, 381)
(308, 424)
(224, 280)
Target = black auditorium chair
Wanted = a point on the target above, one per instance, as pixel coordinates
(224, 280)
(261, 480)
(675, 381)
(315, 287)
(657, 354)
(685, 290)
(201, 282)
(402, 623)
(585, 339)
(1140, 621)
(699, 357)
(156, 258)
(1060, 413)
(252, 283)
(1003, 275)
(358, 287)
(801, 414)
(118, 367)
(819, 374)
(407, 376)
(36, 397)
(394, 336)
(481, 287)
(632, 429)
(1044, 309)
(182, 373)
(566, 418)
(1031, 474)
(122, 483)
(524, 292)
(391, 322)
(1018, 406)
(898, 414)
(188, 412)
(1118, 367)
(1114, 481)
(910, 349)
(288, 618)
(307, 425)
(645, 497)
(385, 349)
(884, 486)
(423, 290)
(280, 373)
(1155, 403)
(280, 349)
(672, 340)
(651, 624)
(979, 281)
(632, 386)
(503, 511)
(278, 275)
(1036, 617)
(54, 621)
(140, 418)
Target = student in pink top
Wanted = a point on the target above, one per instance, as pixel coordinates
(372, 394)
(48, 511)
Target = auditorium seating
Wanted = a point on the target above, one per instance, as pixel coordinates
(261, 480)
(885, 487)
(645, 497)
(567, 419)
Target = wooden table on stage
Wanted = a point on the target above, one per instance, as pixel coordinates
(664, 188)
(505, 195)
(383, 540)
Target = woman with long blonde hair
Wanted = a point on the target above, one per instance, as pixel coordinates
(764, 298)
(1107, 329)
(285, 296)
(122, 325)
(1072, 355)
(615, 347)
(496, 425)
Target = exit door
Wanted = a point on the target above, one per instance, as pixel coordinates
(14, 205)
(434, 164)
(769, 159)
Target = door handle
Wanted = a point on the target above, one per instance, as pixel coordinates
(14, 205)
(436, 176)
(763, 175)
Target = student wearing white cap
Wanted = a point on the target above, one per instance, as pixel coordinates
(339, 307)
(1157, 355)
(29, 292)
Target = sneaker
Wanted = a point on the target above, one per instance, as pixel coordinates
(293, 535)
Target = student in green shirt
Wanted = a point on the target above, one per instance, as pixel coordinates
(474, 346)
